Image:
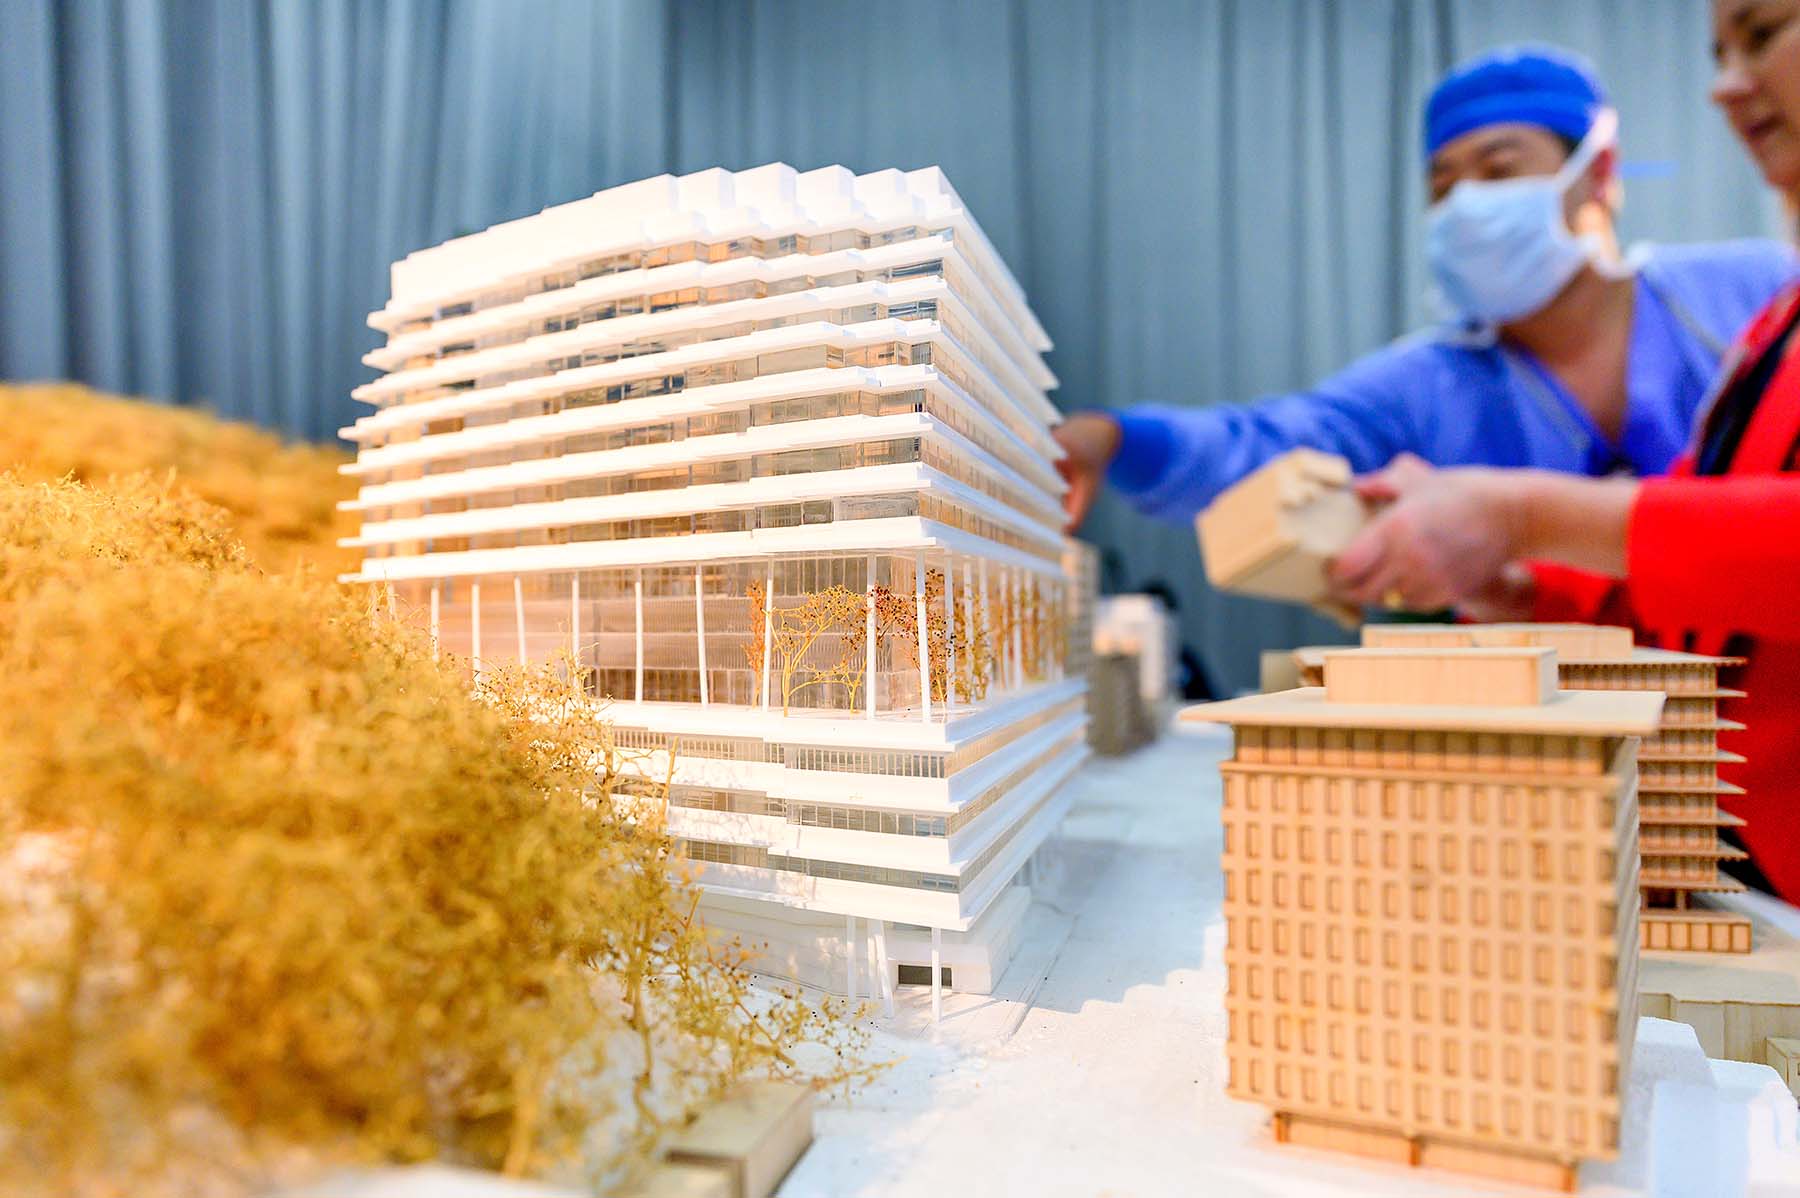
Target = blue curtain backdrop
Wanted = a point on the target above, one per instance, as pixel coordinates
(1205, 199)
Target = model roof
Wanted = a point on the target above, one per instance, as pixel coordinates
(1569, 713)
(1314, 655)
(1576, 644)
(708, 205)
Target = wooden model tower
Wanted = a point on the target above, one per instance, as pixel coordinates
(1431, 939)
(1678, 768)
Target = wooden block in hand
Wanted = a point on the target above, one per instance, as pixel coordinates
(1274, 532)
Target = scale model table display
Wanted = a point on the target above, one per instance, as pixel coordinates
(764, 459)
(768, 455)
(1099, 1066)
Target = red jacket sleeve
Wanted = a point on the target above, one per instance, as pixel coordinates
(1717, 555)
(1565, 595)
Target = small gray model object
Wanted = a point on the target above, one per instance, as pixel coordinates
(1118, 720)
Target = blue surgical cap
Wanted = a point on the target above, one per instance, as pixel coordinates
(1534, 85)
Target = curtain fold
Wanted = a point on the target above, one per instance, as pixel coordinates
(1205, 200)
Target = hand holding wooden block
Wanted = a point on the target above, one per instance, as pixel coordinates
(1275, 531)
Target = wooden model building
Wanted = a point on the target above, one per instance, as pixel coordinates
(1742, 1006)
(1273, 533)
(767, 453)
(1431, 935)
(1678, 768)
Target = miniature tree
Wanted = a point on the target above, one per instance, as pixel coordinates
(1003, 613)
(1057, 630)
(1035, 647)
(754, 644)
(974, 652)
(897, 616)
(835, 611)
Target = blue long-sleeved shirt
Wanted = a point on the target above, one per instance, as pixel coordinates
(1459, 401)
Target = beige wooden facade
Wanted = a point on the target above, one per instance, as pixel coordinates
(1678, 767)
(1431, 922)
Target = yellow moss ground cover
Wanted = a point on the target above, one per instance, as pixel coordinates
(271, 876)
(282, 497)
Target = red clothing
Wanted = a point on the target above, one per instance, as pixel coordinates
(1713, 566)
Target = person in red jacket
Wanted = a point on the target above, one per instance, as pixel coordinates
(1706, 560)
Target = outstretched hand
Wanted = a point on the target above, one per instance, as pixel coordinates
(1443, 538)
(1402, 474)
(1089, 441)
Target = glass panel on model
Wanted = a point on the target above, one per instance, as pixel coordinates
(956, 349)
(801, 643)
(759, 857)
(542, 528)
(966, 333)
(892, 762)
(780, 515)
(688, 297)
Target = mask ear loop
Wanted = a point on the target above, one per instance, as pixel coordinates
(1602, 135)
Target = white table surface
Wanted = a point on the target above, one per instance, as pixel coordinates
(1098, 1068)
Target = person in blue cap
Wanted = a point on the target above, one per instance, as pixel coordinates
(1555, 353)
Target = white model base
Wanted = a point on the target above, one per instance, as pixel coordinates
(810, 948)
(1694, 1126)
(424, 1181)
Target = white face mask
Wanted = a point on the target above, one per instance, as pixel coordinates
(1501, 250)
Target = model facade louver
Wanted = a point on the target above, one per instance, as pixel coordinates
(767, 454)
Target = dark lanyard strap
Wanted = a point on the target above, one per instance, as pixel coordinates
(1737, 402)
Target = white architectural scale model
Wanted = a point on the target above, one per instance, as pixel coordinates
(745, 443)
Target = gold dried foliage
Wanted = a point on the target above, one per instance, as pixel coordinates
(797, 628)
(757, 595)
(899, 615)
(282, 497)
(814, 619)
(1057, 625)
(262, 858)
(974, 652)
(895, 624)
(1035, 631)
